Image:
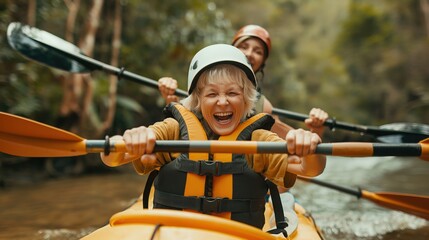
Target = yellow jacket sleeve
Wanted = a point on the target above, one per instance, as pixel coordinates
(272, 165)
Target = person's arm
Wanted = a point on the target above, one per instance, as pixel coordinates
(278, 127)
(314, 122)
(278, 166)
(167, 87)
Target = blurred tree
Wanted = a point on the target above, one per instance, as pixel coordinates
(380, 45)
(113, 80)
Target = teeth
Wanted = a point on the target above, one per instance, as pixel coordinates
(222, 114)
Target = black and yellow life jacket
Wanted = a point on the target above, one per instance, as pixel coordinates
(218, 184)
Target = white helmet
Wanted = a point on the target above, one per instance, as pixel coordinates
(217, 54)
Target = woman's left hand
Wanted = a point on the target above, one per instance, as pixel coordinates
(301, 142)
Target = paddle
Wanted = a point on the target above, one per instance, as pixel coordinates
(389, 133)
(24, 137)
(55, 52)
(408, 203)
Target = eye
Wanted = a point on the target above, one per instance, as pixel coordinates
(234, 93)
(211, 94)
(242, 46)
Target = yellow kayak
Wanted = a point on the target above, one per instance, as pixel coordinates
(138, 223)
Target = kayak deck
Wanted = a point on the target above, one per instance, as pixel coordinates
(138, 223)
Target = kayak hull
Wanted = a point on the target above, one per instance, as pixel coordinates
(138, 223)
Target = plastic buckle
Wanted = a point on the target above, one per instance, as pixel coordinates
(209, 204)
(209, 167)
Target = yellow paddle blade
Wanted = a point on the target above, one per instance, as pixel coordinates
(24, 137)
(36, 147)
(425, 149)
(20, 126)
(408, 203)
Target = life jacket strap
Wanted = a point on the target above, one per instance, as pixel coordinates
(147, 187)
(281, 223)
(204, 167)
(208, 204)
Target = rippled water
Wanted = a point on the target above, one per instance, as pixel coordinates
(342, 216)
(73, 207)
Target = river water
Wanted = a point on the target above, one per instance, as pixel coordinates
(69, 208)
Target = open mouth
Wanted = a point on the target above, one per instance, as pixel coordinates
(223, 117)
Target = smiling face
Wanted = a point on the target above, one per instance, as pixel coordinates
(224, 96)
(222, 105)
(254, 50)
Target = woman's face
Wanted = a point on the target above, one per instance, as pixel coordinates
(254, 49)
(222, 105)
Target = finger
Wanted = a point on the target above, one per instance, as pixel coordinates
(317, 118)
(172, 86)
(308, 121)
(299, 140)
(172, 98)
(163, 90)
(306, 147)
(315, 139)
(136, 143)
(315, 112)
(290, 141)
(171, 83)
(148, 159)
(141, 143)
(128, 141)
(294, 159)
(151, 140)
(161, 83)
(320, 114)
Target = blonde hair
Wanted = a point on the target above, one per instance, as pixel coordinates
(223, 72)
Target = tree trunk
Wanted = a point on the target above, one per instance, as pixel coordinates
(425, 9)
(78, 88)
(31, 14)
(113, 80)
(69, 105)
(73, 7)
(87, 46)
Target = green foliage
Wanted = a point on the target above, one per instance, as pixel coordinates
(377, 44)
(365, 28)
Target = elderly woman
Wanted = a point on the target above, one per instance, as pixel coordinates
(222, 92)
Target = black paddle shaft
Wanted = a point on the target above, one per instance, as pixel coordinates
(407, 136)
(350, 191)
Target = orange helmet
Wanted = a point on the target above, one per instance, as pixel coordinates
(254, 31)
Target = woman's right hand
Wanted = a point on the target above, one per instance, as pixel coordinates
(167, 86)
(140, 142)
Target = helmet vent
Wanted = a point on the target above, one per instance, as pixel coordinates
(195, 66)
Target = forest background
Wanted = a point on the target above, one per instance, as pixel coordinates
(364, 62)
